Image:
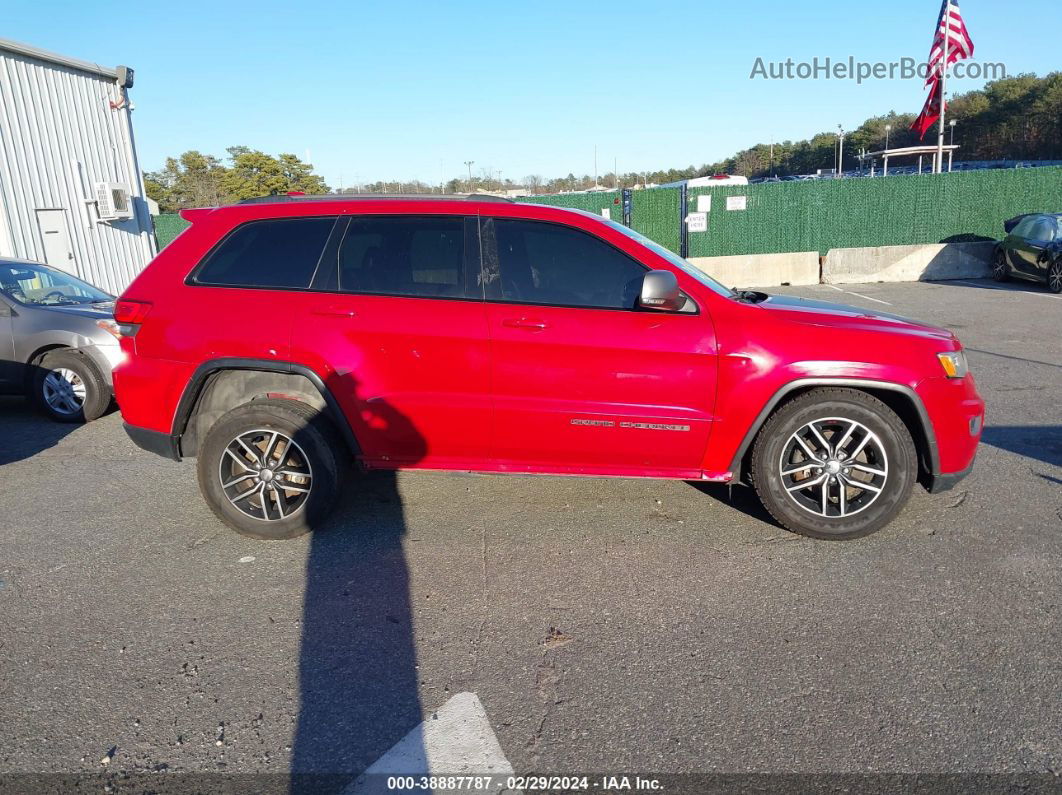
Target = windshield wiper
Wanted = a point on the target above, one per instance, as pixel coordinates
(749, 296)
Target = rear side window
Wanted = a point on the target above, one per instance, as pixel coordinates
(281, 252)
(544, 263)
(420, 256)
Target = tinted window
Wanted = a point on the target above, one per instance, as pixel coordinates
(542, 263)
(1043, 231)
(404, 255)
(1025, 226)
(275, 253)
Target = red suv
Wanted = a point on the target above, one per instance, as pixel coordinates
(277, 339)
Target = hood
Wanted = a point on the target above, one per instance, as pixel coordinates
(825, 313)
(92, 311)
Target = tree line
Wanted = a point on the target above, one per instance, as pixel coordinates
(198, 180)
(1016, 118)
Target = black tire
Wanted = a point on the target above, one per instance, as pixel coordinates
(888, 440)
(1000, 268)
(314, 452)
(58, 397)
(1054, 276)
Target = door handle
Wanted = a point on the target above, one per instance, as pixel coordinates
(530, 324)
(333, 310)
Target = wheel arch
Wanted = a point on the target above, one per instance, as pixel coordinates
(35, 358)
(219, 385)
(902, 399)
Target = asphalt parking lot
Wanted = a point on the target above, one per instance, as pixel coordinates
(606, 626)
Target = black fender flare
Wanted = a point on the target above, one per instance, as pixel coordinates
(198, 379)
(932, 450)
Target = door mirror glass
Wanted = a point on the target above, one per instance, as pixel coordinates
(660, 290)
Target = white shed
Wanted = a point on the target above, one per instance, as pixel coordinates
(71, 191)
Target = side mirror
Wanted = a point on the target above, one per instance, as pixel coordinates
(660, 290)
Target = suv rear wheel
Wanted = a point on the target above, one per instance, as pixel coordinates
(834, 464)
(269, 469)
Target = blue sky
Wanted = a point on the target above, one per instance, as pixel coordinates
(410, 90)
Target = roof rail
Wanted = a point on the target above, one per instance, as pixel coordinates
(333, 197)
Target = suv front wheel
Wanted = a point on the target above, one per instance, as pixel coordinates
(269, 469)
(834, 464)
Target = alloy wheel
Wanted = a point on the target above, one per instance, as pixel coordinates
(834, 467)
(265, 475)
(64, 391)
(999, 267)
(1054, 278)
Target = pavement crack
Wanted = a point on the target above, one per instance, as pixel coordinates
(478, 642)
(547, 678)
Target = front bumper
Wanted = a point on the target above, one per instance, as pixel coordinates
(938, 484)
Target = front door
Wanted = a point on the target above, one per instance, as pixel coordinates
(9, 369)
(582, 381)
(55, 234)
(399, 331)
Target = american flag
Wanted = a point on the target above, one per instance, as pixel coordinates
(960, 45)
(951, 34)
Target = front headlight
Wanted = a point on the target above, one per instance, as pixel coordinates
(954, 364)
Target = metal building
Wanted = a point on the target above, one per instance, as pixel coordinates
(71, 191)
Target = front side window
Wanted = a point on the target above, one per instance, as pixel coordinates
(1043, 230)
(418, 256)
(40, 285)
(544, 263)
(281, 253)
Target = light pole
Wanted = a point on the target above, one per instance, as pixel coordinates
(952, 123)
(469, 163)
(840, 150)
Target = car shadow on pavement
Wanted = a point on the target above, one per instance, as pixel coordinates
(1039, 442)
(739, 497)
(358, 680)
(24, 432)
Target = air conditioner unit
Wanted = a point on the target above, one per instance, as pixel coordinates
(113, 201)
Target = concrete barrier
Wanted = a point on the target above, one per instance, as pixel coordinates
(762, 270)
(929, 262)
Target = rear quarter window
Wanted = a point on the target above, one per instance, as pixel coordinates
(279, 252)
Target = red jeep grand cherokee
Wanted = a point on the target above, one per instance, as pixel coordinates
(277, 339)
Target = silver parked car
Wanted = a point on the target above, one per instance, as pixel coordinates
(58, 340)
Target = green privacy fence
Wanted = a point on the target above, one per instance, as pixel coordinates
(167, 227)
(817, 215)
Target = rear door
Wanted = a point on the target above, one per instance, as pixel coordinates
(395, 322)
(583, 382)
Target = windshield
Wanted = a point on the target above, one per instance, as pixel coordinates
(39, 285)
(671, 257)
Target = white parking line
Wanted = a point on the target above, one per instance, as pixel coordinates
(457, 740)
(984, 286)
(867, 297)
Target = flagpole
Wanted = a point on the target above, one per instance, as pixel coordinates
(943, 85)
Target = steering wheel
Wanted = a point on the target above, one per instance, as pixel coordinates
(57, 294)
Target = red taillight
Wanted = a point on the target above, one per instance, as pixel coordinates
(131, 312)
(129, 315)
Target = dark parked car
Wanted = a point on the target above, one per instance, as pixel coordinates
(1031, 250)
